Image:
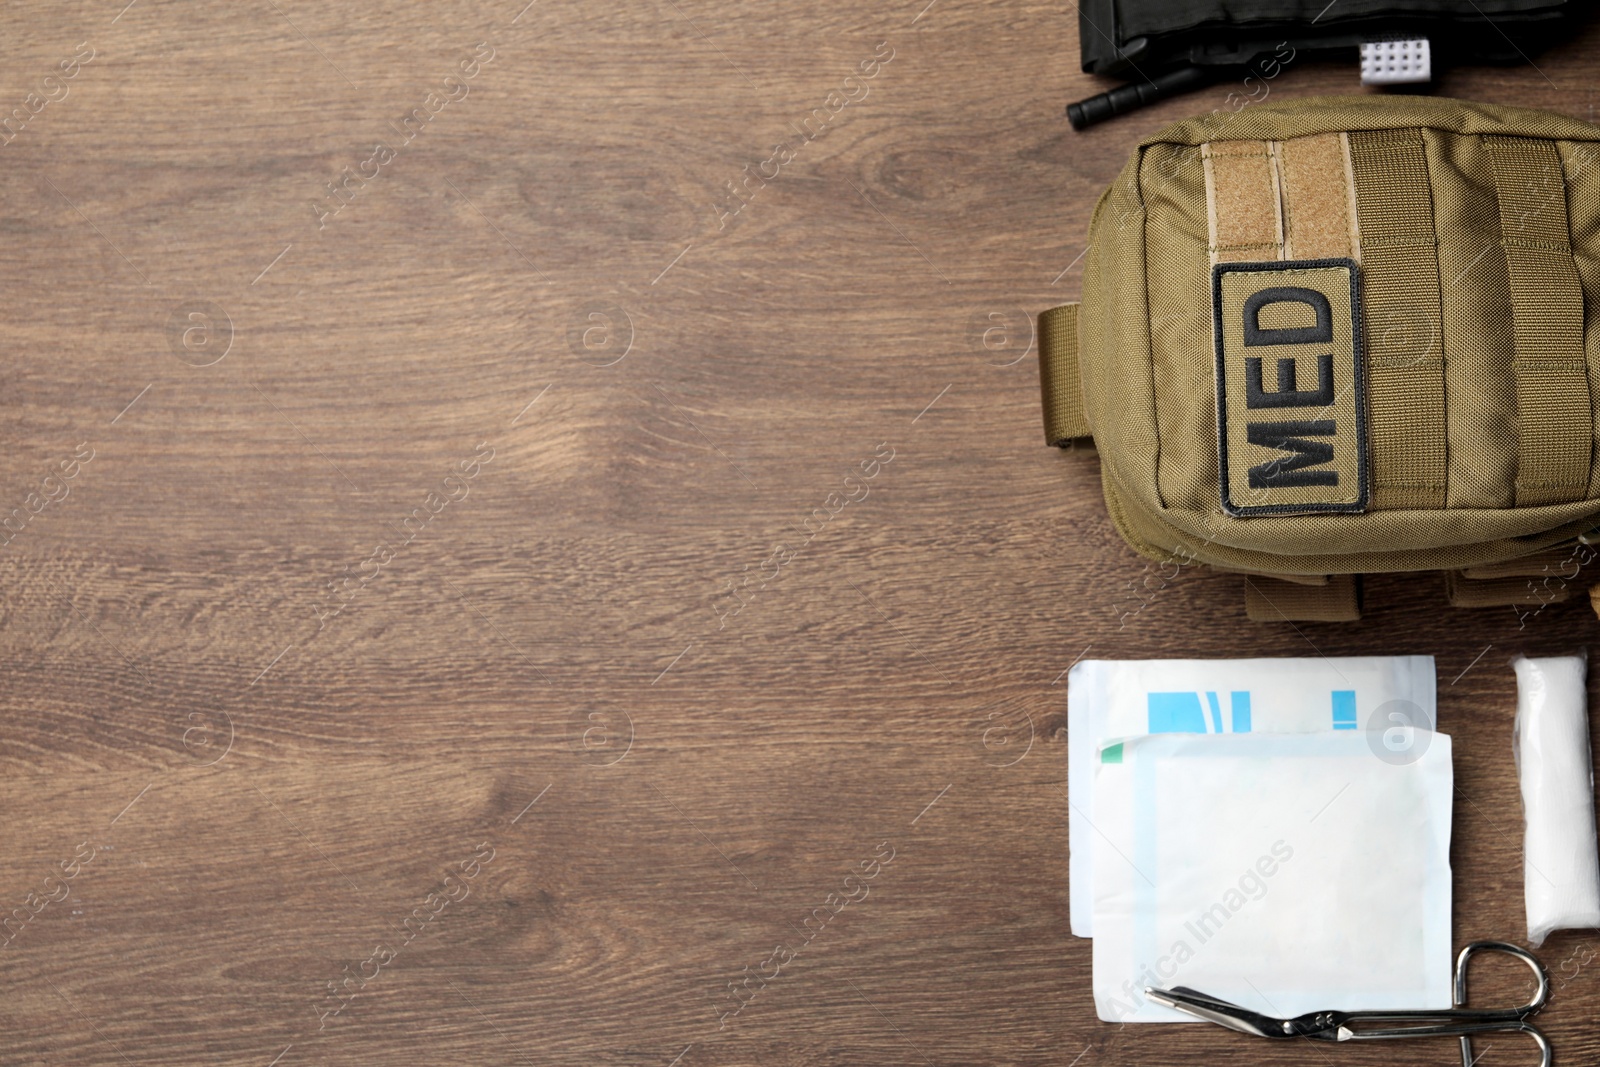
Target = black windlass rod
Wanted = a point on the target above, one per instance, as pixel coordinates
(1126, 98)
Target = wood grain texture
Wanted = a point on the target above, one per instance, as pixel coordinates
(550, 274)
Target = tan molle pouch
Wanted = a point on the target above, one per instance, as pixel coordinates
(1346, 335)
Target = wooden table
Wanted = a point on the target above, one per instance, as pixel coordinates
(511, 578)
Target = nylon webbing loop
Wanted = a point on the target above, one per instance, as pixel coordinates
(1318, 200)
(1554, 416)
(1400, 282)
(1274, 600)
(1244, 213)
(1064, 419)
(1467, 592)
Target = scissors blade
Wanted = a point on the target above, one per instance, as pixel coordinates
(1221, 1012)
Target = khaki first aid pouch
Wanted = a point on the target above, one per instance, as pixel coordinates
(1344, 335)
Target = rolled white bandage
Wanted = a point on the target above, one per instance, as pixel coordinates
(1560, 858)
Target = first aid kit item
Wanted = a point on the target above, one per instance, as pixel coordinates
(1560, 861)
(1344, 335)
(1460, 1021)
(1392, 696)
(1284, 873)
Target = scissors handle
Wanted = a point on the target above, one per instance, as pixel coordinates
(1547, 1056)
(1541, 995)
(1459, 1021)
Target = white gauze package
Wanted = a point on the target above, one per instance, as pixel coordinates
(1286, 873)
(1560, 865)
(1122, 698)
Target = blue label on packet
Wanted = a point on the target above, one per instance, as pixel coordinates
(1201, 712)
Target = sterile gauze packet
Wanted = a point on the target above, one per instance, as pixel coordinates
(1391, 695)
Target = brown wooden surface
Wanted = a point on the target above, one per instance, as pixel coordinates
(267, 797)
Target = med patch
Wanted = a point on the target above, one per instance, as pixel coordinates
(1291, 393)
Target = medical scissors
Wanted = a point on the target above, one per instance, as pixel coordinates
(1459, 1021)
